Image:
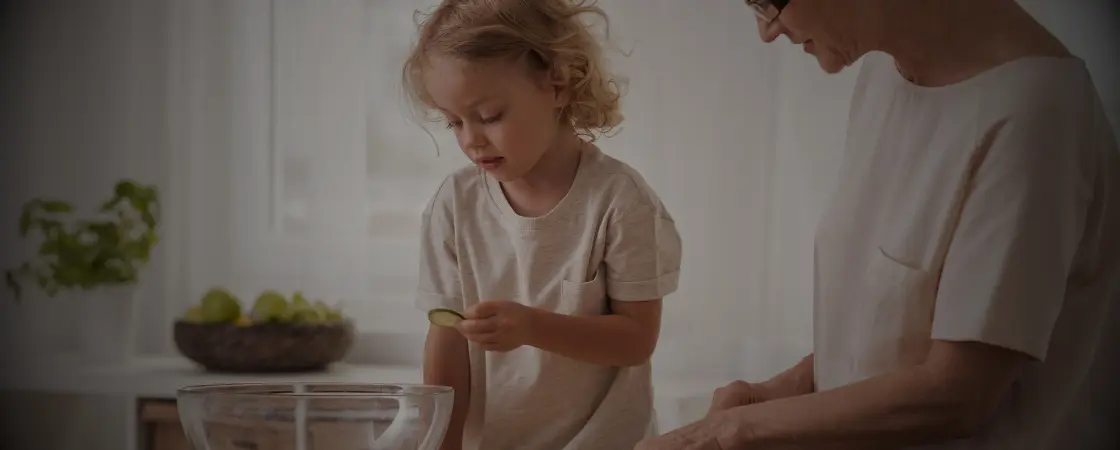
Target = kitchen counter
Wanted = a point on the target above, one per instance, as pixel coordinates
(160, 377)
(677, 401)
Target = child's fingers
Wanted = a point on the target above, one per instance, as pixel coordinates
(481, 310)
(487, 342)
(476, 327)
(477, 337)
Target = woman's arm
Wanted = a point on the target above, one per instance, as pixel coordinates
(447, 363)
(950, 396)
(797, 380)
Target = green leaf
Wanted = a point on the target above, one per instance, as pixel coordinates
(148, 218)
(112, 203)
(55, 206)
(49, 247)
(91, 253)
(10, 280)
(125, 188)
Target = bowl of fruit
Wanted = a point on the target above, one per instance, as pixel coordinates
(276, 334)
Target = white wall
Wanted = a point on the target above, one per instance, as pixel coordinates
(84, 103)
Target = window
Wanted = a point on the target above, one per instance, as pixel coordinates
(350, 173)
(304, 172)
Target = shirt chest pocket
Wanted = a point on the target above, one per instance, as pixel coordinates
(900, 303)
(584, 298)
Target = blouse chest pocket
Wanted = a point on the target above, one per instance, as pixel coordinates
(580, 298)
(900, 303)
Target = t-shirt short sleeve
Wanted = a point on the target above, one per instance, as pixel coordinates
(439, 285)
(1005, 273)
(643, 255)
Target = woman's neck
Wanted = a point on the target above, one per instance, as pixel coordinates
(938, 43)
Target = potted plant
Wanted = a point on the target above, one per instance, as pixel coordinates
(98, 260)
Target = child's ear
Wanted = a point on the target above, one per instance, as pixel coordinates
(560, 82)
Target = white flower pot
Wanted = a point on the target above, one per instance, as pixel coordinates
(106, 324)
(35, 328)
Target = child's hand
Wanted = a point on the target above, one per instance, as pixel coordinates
(498, 326)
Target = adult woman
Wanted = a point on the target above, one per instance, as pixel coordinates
(967, 259)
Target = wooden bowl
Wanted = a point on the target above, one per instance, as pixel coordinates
(266, 347)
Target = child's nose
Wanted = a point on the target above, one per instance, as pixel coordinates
(473, 137)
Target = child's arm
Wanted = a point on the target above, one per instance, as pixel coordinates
(627, 337)
(446, 363)
(446, 360)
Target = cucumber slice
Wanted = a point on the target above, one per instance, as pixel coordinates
(444, 317)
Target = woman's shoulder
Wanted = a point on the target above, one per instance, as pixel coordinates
(1040, 97)
(1040, 83)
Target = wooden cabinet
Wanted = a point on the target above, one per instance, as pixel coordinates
(159, 426)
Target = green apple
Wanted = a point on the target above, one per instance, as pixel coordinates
(299, 301)
(218, 306)
(329, 314)
(308, 315)
(271, 306)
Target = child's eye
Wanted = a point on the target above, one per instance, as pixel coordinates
(492, 119)
(452, 124)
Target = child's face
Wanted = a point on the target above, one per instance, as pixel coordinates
(503, 117)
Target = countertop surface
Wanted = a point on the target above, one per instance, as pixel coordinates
(161, 376)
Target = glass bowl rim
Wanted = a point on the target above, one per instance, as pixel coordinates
(215, 390)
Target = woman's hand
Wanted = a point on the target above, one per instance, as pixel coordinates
(672, 442)
(740, 393)
(498, 326)
(711, 433)
(797, 380)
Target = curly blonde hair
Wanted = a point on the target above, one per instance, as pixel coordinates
(546, 33)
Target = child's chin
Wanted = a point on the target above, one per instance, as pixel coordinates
(503, 175)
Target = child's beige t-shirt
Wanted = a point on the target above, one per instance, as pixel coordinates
(609, 238)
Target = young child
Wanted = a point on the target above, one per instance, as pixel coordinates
(556, 254)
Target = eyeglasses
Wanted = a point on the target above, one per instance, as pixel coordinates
(768, 10)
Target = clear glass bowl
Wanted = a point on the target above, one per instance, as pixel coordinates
(315, 416)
